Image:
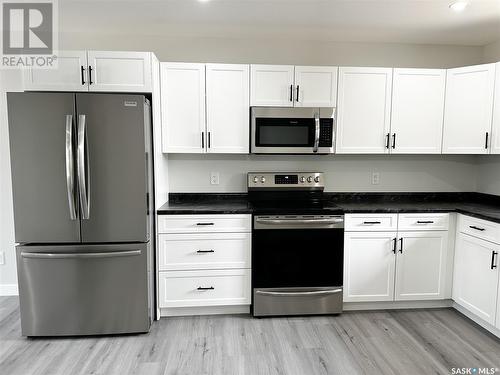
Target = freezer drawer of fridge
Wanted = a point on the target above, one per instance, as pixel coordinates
(83, 289)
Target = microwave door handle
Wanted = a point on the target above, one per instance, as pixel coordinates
(316, 133)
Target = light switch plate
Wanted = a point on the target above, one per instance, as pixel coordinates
(375, 178)
(2, 257)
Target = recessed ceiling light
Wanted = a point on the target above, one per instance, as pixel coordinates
(459, 6)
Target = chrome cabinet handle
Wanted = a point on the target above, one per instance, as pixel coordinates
(290, 294)
(401, 249)
(487, 139)
(203, 224)
(316, 133)
(202, 288)
(388, 141)
(70, 168)
(425, 222)
(205, 251)
(297, 96)
(291, 93)
(394, 141)
(371, 222)
(395, 245)
(109, 254)
(82, 71)
(90, 75)
(83, 168)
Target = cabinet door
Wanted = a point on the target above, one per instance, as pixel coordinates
(417, 111)
(421, 265)
(495, 132)
(228, 108)
(183, 107)
(364, 108)
(271, 85)
(468, 109)
(316, 86)
(475, 280)
(369, 266)
(70, 75)
(119, 71)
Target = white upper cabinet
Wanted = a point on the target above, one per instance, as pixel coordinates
(227, 108)
(421, 265)
(119, 71)
(183, 107)
(315, 86)
(70, 75)
(417, 111)
(364, 108)
(369, 266)
(272, 85)
(468, 109)
(495, 132)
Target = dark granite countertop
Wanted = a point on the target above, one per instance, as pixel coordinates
(482, 206)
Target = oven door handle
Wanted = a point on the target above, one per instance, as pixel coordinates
(291, 294)
(316, 133)
(300, 221)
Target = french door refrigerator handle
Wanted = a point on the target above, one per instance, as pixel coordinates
(70, 168)
(83, 168)
(109, 254)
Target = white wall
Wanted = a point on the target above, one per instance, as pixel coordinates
(9, 81)
(488, 174)
(344, 173)
(491, 52)
(285, 51)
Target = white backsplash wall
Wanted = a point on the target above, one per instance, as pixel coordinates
(344, 173)
(488, 174)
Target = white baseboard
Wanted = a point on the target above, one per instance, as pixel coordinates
(205, 310)
(9, 290)
(394, 305)
(487, 326)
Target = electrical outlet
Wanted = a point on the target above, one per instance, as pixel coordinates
(2, 257)
(214, 178)
(375, 178)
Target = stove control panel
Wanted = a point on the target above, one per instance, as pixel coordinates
(285, 180)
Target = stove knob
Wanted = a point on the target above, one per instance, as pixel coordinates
(302, 179)
(316, 179)
(262, 179)
(309, 179)
(255, 179)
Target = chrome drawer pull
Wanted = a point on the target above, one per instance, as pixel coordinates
(209, 288)
(477, 228)
(201, 224)
(372, 222)
(425, 222)
(205, 251)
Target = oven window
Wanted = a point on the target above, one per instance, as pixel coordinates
(297, 258)
(284, 132)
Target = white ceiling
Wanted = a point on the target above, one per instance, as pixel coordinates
(393, 21)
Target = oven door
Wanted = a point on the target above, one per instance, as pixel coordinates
(297, 265)
(292, 130)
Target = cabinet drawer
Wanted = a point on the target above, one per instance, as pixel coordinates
(204, 288)
(204, 251)
(423, 222)
(479, 228)
(204, 223)
(371, 222)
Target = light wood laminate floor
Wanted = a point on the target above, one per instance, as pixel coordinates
(386, 342)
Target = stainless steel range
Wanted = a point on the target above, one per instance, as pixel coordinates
(297, 246)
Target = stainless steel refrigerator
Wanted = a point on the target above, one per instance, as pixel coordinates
(83, 205)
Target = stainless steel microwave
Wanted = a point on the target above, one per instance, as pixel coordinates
(292, 130)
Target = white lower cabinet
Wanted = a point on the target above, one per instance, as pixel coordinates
(396, 266)
(421, 265)
(476, 275)
(204, 288)
(204, 261)
(369, 266)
